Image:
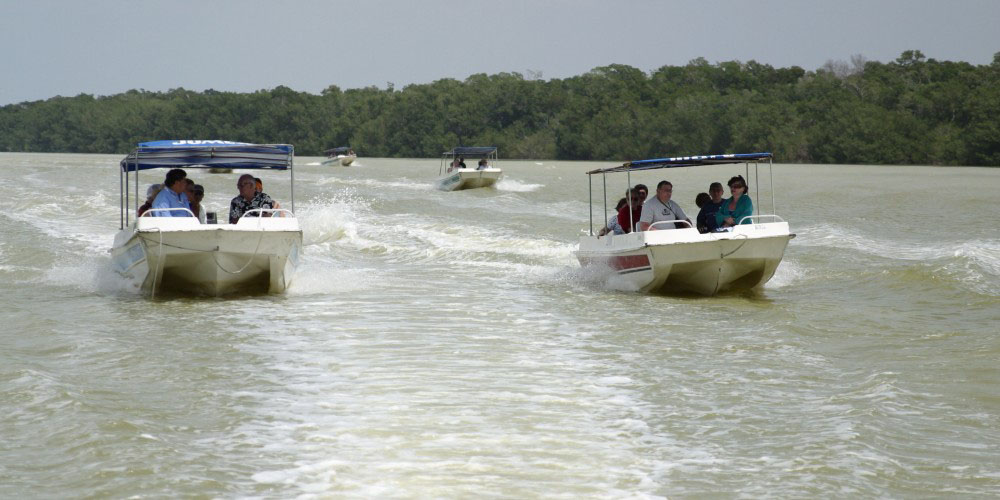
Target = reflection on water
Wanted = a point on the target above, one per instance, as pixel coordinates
(448, 345)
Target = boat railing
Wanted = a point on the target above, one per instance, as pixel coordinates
(755, 219)
(274, 212)
(149, 213)
(665, 222)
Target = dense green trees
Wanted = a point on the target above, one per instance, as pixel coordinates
(913, 110)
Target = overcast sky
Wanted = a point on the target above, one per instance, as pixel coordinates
(104, 47)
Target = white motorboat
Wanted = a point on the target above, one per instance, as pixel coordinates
(683, 259)
(179, 255)
(342, 156)
(453, 176)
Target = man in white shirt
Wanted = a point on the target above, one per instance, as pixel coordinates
(661, 208)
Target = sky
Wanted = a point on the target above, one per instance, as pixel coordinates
(104, 47)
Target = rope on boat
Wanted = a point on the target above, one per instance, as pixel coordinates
(745, 240)
(213, 250)
(252, 257)
(159, 261)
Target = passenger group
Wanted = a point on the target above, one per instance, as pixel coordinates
(636, 213)
(179, 196)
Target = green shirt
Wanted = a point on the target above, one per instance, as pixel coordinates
(744, 207)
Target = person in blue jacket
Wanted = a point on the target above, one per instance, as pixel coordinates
(737, 207)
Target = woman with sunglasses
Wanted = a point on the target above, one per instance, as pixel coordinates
(736, 207)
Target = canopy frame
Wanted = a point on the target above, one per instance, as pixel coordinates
(679, 162)
(487, 152)
(199, 154)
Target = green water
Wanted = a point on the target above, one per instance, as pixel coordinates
(448, 345)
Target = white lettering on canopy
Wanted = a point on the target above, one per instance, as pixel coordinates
(203, 143)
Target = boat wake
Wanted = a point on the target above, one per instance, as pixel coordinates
(973, 264)
(517, 186)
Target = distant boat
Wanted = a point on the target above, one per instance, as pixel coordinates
(342, 156)
(453, 175)
(743, 257)
(220, 170)
(258, 254)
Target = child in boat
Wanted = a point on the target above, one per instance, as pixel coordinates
(709, 204)
(612, 226)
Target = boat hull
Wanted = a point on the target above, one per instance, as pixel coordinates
(180, 256)
(340, 161)
(469, 178)
(685, 261)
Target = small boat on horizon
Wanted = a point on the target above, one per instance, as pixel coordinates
(180, 255)
(454, 174)
(342, 156)
(684, 260)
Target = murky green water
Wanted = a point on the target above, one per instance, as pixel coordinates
(447, 345)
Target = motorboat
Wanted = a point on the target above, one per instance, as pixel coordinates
(153, 255)
(342, 156)
(220, 170)
(680, 259)
(454, 175)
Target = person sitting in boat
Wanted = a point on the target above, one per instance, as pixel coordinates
(709, 205)
(643, 192)
(151, 192)
(259, 185)
(461, 163)
(172, 196)
(196, 193)
(613, 227)
(482, 164)
(738, 206)
(661, 208)
(629, 219)
(248, 199)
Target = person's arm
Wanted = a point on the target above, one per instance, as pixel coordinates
(679, 213)
(234, 210)
(743, 209)
(722, 214)
(160, 201)
(646, 217)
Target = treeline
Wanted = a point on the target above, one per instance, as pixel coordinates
(913, 110)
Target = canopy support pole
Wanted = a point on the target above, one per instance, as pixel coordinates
(291, 168)
(590, 206)
(136, 186)
(756, 181)
(628, 196)
(770, 174)
(121, 201)
(604, 178)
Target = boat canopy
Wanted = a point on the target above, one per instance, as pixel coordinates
(684, 161)
(208, 154)
(336, 151)
(471, 151)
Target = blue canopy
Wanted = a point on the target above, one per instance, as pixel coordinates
(208, 154)
(685, 161)
(471, 151)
